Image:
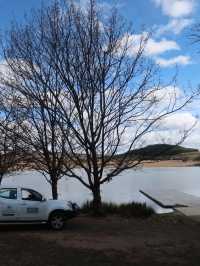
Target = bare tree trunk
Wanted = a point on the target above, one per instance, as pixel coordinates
(97, 203)
(1, 178)
(54, 188)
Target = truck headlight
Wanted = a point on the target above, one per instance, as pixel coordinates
(74, 206)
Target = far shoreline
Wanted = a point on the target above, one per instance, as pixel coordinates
(151, 164)
(169, 163)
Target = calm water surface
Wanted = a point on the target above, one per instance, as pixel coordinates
(124, 188)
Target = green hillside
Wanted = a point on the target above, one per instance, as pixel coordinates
(159, 151)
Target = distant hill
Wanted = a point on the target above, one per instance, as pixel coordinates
(159, 152)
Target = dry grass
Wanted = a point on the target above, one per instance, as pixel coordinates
(133, 209)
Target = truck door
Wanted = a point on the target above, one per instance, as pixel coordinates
(8, 204)
(32, 206)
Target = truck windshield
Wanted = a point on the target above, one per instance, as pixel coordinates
(8, 193)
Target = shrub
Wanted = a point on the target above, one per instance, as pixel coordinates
(133, 209)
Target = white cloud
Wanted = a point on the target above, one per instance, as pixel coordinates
(176, 8)
(178, 60)
(193, 140)
(158, 47)
(167, 98)
(174, 126)
(166, 93)
(179, 121)
(175, 26)
(171, 130)
(152, 47)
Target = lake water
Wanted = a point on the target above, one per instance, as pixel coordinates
(124, 188)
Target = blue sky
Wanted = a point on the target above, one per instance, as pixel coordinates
(170, 22)
(159, 16)
(15, 9)
(155, 15)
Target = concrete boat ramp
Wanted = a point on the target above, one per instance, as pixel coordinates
(184, 203)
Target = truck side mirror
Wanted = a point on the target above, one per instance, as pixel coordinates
(43, 199)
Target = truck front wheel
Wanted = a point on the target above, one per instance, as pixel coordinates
(57, 221)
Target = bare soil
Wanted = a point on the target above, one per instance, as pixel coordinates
(86, 241)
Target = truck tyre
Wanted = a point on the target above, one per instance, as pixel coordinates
(57, 220)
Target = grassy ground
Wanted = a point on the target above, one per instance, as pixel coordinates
(133, 209)
(159, 240)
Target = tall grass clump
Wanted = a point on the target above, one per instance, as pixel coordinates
(133, 209)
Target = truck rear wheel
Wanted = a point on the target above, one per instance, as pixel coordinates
(57, 221)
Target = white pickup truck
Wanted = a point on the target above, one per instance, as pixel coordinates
(24, 205)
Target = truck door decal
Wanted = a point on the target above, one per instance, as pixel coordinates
(8, 214)
(8, 211)
(32, 210)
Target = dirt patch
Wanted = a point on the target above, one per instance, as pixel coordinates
(160, 240)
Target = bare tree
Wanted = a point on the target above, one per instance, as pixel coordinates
(89, 73)
(43, 141)
(116, 93)
(10, 158)
(29, 77)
